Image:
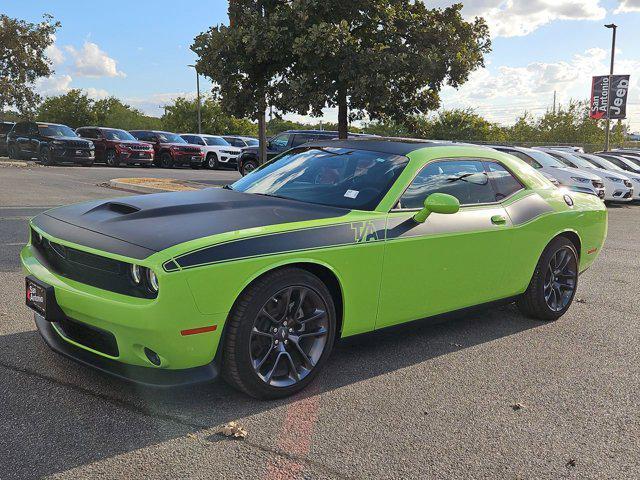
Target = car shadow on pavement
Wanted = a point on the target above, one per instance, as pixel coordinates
(58, 415)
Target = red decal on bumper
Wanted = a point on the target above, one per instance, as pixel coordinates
(194, 331)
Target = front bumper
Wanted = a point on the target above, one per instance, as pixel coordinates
(135, 157)
(152, 377)
(74, 155)
(133, 324)
(188, 158)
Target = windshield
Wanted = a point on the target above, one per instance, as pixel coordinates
(113, 134)
(252, 142)
(545, 159)
(580, 162)
(215, 141)
(166, 137)
(56, 131)
(600, 162)
(338, 177)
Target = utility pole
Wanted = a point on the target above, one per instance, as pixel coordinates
(614, 27)
(554, 102)
(198, 90)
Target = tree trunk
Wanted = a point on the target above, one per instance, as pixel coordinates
(262, 137)
(343, 119)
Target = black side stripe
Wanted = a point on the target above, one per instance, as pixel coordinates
(527, 209)
(306, 239)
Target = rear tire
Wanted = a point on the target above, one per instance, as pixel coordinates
(13, 153)
(212, 161)
(554, 282)
(291, 357)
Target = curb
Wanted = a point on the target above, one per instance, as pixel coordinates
(118, 184)
(12, 163)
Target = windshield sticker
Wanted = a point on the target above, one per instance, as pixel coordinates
(351, 193)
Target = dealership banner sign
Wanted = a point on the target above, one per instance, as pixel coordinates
(611, 90)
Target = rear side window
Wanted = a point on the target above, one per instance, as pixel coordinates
(300, 138)
(464, 179)
(21, 128)
(5, 127)
(504, 183)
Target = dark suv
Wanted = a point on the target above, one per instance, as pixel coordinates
(114, 146)
(5, 128)
(51, 143)
(248, 159)
(171, 149)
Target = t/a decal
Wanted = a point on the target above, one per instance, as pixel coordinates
(364, 232)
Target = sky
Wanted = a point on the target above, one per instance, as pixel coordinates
(139, 51)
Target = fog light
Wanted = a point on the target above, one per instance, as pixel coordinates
(152, 356)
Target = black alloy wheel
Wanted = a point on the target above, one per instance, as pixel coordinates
(279, 334)
(166, 161)
(111, 158)
(249, 166)
(289, 335)
(561, 279)
(554, 282)
(46, 157)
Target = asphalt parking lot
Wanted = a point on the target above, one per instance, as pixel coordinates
(491, 395)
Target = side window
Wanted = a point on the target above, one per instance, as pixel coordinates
(189, 138)
(21, 128)
(280, 142)
(300, 138)
(504, 183)
(32, 129)
(464, 179)
(525, 157)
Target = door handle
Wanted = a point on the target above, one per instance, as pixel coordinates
(498, 220)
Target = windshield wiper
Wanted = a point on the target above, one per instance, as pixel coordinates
(227, 187)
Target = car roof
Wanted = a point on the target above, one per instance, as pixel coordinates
(391, 145)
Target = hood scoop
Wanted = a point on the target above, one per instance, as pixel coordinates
(114, 207)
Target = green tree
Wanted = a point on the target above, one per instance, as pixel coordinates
(388, 58)
(460, 124)
(22, 60)
(181, 116)
(245, 59)
(111, 112)
(74, 109)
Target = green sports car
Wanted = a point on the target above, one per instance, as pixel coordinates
(257, 280)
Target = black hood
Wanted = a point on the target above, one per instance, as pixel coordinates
(141, 225)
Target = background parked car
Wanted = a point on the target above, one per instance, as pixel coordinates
(114, 146)
(50, 142)
(248, 160)
(5, 128)
(618, 188)
(218, 152)
(627, 161)
(239, 141)
(612, 167)
(573, 179)
(170, 149)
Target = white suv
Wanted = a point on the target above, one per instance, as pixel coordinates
(218, 152)
(570, 178)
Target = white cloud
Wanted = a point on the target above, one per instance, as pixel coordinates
(53, 85)
(510, 18)
(90, 61)
(96, 93)
(625, 6)
(53, 53)
(506, 92)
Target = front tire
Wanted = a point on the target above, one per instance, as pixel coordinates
(249, 166)
(46, 157)
(279, 334)
(166, 161)
(212, 161)
(13, 153)
(111, 158)
(554, 282)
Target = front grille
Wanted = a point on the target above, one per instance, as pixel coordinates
(597, 183)
(76, 144)
(139, 147)
(89, 336)
(229, 152)
(73, 153)
(88, 268)
(190, 149)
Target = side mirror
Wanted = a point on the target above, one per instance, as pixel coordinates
(437, 203)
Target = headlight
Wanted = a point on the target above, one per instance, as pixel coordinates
(135, 274)
(91, 145)
(122, 146)
(614, 179)
(580, 179)
(153, 280)
(57, 142)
